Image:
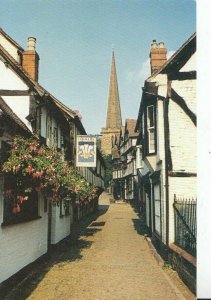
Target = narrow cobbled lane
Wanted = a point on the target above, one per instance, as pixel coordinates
(114, 262)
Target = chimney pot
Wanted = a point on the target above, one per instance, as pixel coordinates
(161, 45)
(154, 44)
(31, 43)
(157, 56)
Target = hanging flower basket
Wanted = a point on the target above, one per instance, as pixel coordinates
(41, 169)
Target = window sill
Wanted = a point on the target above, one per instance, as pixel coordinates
(24, 220)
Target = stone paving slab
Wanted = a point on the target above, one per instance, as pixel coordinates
(114, 264)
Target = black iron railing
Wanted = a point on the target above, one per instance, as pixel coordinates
(185, 224)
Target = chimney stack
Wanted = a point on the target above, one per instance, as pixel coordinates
(157, 56)
(30, 59)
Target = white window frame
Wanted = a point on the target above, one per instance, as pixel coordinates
(157, 209)
(151, 129)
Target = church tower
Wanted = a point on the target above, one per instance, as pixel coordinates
(114, 118)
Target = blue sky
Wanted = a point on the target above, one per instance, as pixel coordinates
(75, 40)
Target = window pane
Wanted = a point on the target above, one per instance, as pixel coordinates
(157, 211)
(157, 192)
(157, 224)
(150, 116)
(151, 140)
(157, 208)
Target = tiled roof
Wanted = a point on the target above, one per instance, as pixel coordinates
(10, 113)
(130, 125)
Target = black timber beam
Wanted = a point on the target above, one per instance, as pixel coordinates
(182, 75)
(14, 92)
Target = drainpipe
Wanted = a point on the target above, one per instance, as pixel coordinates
(166, 144)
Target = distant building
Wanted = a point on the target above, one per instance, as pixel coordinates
(124, 162)
(114, 118)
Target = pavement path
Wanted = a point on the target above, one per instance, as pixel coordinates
(109, 261)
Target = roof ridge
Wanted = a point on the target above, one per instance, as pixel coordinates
(10, 39)
(36, 84)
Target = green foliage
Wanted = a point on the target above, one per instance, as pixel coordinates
(108, 171)
(40, 168)
(166, 266)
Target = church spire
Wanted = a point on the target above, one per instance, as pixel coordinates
(114, 118)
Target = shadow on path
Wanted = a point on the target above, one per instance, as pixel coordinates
(22, 284)
(139, 223)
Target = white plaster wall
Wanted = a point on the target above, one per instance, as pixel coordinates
(187, 90)
(182, 140)
(183, 187)
(160, 131)
(10, 80)
(22, 243)
(190, 65)
(60, 225)
(20, 106)
(11, 49)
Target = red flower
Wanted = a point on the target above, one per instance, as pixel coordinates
(37, 174)
(29, 169)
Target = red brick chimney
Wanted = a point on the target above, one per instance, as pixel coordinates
(30, 59)
(157, 56)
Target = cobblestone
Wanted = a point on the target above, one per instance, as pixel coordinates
(109, 260)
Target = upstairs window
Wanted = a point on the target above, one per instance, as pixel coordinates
(151, 128)
(38, 120)
(49, 131)
(55, 136)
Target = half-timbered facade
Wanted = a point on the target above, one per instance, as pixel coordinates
(34, 110)
(167, 146)
(124, 164)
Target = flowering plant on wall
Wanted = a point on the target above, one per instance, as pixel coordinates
(36, 167)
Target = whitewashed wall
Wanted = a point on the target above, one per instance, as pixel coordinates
(22, 243)
(10, 80)
(60, 225)
(182, 139)
(11, 49)
(20, 106)
(183, 187)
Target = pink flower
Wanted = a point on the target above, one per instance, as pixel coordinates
(29, 169)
